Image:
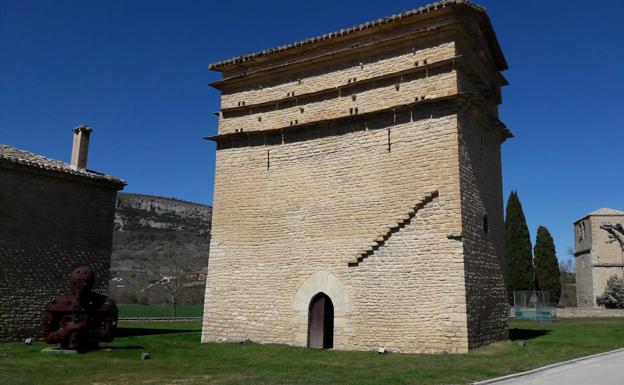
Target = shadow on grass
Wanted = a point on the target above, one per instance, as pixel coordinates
(131, 332)
(526, 334)
(128, 347)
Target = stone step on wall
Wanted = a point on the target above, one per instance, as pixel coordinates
(401, 223)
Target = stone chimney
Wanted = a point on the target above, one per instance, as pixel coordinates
(80, 148)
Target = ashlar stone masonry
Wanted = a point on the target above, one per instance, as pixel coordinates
(358, 188)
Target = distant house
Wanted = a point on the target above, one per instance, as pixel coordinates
(196, 276)
(54, 217)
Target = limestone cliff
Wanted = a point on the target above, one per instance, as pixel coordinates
(151, 234)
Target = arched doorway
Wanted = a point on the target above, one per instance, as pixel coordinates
(321, 322)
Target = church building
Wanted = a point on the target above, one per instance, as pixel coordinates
(599, 254)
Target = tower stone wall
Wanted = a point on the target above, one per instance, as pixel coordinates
(364, 165)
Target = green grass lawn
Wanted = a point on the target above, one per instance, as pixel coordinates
(179, 358)
(159, 311)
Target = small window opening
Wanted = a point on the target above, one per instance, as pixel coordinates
(486, 225)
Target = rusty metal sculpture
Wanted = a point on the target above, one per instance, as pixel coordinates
(80, 319)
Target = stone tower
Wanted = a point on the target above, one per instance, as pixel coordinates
(599, 254)
(358, 198)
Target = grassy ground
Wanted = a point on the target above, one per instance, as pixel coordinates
(159, 311)
(179, 358)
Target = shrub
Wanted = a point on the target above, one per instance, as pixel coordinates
(613, 297)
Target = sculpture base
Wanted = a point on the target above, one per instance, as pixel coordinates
(59, 350)
(56, 349)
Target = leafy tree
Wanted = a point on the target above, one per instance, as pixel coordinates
(613, 297)
(547, 275)
(517, 248)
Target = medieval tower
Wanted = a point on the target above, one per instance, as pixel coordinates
(358, 189)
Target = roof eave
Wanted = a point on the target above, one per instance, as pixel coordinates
(494, 44)
(116, 183)
(221, 66)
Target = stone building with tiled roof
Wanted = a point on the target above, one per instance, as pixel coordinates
(54, 216)
(358, 190)
(599, 254)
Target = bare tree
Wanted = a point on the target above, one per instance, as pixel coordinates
(616, 232)
(571, 252)
(172, 279)
(567, 267)
(568, 271)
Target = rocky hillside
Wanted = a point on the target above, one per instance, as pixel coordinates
(153, 236)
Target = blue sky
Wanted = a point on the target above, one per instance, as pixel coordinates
(136, 71)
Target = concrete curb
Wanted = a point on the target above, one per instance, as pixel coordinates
(544, 368)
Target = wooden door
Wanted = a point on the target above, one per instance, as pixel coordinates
(321, 322)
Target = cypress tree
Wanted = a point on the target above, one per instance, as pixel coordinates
(518, 248)
(547, 274)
